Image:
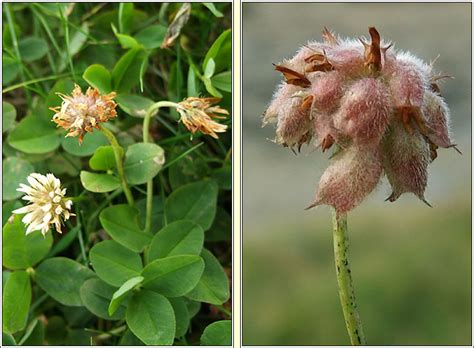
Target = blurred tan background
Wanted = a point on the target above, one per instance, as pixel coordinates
(411, 263)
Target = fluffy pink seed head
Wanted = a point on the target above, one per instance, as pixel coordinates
(407, 58)
(323, 126)
(347, 58)
(351, 176)
(297, 62)
(365, 111)
(436, 113)
(407, 84)
(327, 89)
(293, 122)
(376, 105)
(281, 97)
(406, 158)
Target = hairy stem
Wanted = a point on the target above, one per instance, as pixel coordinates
(344, 281)
(152, 110)
(118, 159)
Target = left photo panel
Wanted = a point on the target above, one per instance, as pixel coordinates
(117, 173)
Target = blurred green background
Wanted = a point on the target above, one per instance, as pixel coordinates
(411, 264)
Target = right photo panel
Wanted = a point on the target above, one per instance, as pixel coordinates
(356, 203)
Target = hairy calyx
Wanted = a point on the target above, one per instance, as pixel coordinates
(382, 109)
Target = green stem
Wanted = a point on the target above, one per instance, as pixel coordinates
(28, 332)
(65, 23)
(113, 332)
(227, 157)
(344, 281)
(149, 204)
(27, 83)
(82, 246)
(152, 110)
(46, 27)
(181, 156)
(118, 159)
(224, 310)
(16, 48)
(38, 302)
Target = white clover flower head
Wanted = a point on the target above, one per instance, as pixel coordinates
(197, 115)
(47, 203)
(81, 113)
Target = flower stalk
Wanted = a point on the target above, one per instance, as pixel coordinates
(344, 281)
(152, 110)
(118, 159)
(197, 114)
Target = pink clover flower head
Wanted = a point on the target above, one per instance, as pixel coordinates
(381, 110)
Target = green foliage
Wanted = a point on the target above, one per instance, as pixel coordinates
(217, 60)
(32, 48)
(221, 229)
(122, 292)
(223, 177)
(7, 209)
(223, 81)
(114, 263)
(62, 278)
(181, 314)
(157, 215)
(99, 182)
(34, 135)
(34, 335)
(56, 330)
(121, 223)
(193, 307)
(177, 238)
(143, 161)
(103, 158)
(213, 287)
(16, 302)
(173, 276)
(187, 169)
(152, 36)
(8, 116)
(89, 145)
(195, 202)
(129, 339)
(151, 318)
(127, 286)
(218, 334)
(15, 170)
(213, 9)
(21, 251)
(96, 296)
(98, 77)
(12, 69)
(134, 105)
(8, 340)
(127, 71)
(65, 242)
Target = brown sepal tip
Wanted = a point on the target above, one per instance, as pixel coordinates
(293, 77)
(318, 62)
(373, 52)
(327, 142)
